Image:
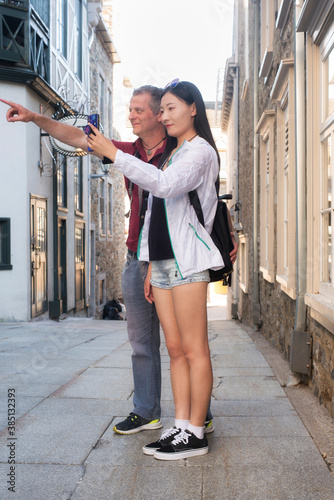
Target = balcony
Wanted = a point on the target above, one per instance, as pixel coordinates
(24, 36)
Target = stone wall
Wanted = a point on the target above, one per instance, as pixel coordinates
(322, 377)
(109, 251)
(245, 156)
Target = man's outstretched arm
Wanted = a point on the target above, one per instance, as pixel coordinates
(65, 133)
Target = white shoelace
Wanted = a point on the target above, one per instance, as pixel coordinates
(183, 436)
(168, 432)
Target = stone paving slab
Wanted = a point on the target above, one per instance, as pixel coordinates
(259, 426)
(61, 406)
(240, 392)
(118, 359)
(55, 439)
(42, 482)
(267, 483)
(24, 404)
(256, 408)
(99, 383)
(141, 482)
(242, 359)
(243, 372)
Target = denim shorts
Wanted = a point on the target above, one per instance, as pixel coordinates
(165, 274)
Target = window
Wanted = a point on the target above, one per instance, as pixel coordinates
(102, 292)
(283, 93)
(327, 175)
(109, 111)
(267, 36)
(326, 210)
(79, 245)
(320, 169)
(101, 100)
(61, 181)
(62, 27)
(78, 185)
(328, 80)
(102, 221)
(110, 210)
(265, 128)
(243, 262)
(5, 260)
(78, 39)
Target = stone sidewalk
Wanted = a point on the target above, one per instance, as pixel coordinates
(73, 382)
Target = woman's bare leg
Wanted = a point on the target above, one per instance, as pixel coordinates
(179, 367)
(191, 318)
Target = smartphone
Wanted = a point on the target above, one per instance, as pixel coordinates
(94, 120)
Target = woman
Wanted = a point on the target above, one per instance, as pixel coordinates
(180, 252)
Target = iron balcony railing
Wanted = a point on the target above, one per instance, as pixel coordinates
(24, 35)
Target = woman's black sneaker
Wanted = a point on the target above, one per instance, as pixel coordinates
(135, 423)
(184, 445)
(166, 438)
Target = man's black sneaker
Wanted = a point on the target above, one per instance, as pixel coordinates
(166, 438)
(208, 427)
(135, 423)
(184, 445)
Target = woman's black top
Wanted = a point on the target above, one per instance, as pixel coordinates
(159, 244)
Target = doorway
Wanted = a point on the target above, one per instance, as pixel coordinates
(38, 253)
(61, 262)
(79, 266)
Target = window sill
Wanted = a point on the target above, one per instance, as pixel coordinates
(267, 275)
(266, 64)
(287, 287)
(6, 267)
(62, 209)
(322, 310)
(283, 13)
(79, 214)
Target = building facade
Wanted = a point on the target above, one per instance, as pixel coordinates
(281, 74)
(107, 193)
(45, 243)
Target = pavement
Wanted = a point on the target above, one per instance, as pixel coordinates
(71, 381)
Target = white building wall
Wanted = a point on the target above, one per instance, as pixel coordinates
(20, 177)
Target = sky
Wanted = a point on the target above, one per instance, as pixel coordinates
(158, 41)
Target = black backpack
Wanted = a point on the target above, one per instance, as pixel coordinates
(221, 236)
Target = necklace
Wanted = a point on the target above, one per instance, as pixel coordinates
(193, 137)
(149, 150)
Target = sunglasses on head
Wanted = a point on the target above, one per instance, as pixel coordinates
(172, 84)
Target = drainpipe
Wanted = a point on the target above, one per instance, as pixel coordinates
(300, 161)
(235, 184)
(256, 297)
(300, 317)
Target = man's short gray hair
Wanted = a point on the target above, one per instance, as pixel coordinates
(155, 94)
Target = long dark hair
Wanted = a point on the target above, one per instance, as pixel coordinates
(189, 93)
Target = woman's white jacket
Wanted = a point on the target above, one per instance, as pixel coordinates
(193, 166)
